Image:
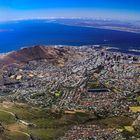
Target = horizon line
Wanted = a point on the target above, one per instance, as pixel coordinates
(53, 18)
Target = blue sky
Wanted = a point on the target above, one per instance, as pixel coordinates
(113, 9)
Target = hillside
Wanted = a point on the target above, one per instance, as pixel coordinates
(49, 53)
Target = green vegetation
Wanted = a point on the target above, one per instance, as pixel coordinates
(26, 112)
(128, 135)
(138, 99)
(57, 93)
(116, 122)
(129, 128)
(129, 132)
(50, 122)
(16, 135)
(135, 109)
(6, 117)
(47, 134)
(47, 125)
(94, 84)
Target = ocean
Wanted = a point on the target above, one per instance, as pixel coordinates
(18, 34)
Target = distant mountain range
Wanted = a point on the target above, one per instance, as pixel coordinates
(129, 26)
(119, 25)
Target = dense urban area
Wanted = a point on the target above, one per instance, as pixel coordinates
(69, 93)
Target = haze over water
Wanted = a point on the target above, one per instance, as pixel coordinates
(15, 35)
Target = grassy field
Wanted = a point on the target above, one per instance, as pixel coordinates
(47, 125)
(135, 109)
(115, 122)
(6, 118)
(15, 135)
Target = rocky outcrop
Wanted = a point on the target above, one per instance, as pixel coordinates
(49, 53)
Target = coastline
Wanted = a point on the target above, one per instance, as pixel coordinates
(135, 52)
(96, 27)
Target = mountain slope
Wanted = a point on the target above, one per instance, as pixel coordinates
(25, 55)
